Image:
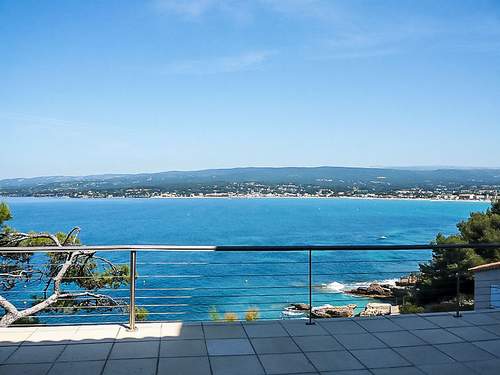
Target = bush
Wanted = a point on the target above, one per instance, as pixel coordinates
(252, 314)
(230, 317)
(411, 309)
(214, 314)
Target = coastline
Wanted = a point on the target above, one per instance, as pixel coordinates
(249, 197)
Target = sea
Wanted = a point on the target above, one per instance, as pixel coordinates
(193, 286)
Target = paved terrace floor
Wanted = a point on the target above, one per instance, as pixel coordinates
(409, 344)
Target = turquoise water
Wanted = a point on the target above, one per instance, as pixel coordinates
(225, 280)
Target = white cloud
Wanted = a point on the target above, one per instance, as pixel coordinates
(348, 30)
(227, 64)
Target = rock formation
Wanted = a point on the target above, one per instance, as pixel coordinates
(325, 311)
(376, 309)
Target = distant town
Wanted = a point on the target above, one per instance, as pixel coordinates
(289, 182)
(257, 190)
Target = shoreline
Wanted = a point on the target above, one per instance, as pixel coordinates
(255, 197)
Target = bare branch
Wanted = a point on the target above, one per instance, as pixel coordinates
(13, 314)
(7, 306)
(73, 233)
(18, 237)
(109, 263)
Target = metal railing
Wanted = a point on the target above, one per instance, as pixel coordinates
(153, 283)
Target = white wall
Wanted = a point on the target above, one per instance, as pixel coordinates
(483, 281)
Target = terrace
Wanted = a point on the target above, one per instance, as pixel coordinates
(409, 344)
(458, 342)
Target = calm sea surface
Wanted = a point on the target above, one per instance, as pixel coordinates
(188, 285)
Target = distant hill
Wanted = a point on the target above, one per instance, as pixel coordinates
(338, 178)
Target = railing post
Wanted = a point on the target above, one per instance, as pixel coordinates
(310, 322)
(131, 316)
(457, 313)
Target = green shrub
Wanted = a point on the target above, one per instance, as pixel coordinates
(411, 309)
(214, 314)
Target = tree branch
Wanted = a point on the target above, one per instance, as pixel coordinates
(13, 314)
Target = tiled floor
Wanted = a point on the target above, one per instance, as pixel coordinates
(407, 344)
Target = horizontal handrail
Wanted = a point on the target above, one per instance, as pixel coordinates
(229, 248)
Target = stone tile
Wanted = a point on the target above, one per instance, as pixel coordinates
(184, 366)
(378, 325)
(275, 345)
(91, 334)
(224, 331)
(465, 351)
(492, 346)
(300, 328)
(85, 352)
(150, 331)
(144, 366)
(286, 363)
(409, 370)
(229, 347)
(183, 348)
(360, 341)
(245, 365)
(446, 369)
(437, 336)
(35, 354)
(77, 368)
(493, 314)
(447, 321)
(25, 369)
(5, 352)
(423, 355)
(485, 367)
(334, 361)
(265, 330)
(342, 327)
(472, 333)
(347, 372)
(138, 349)
(317, 343)
(411, 322)
(380, 358)
(14, 336)
(495, 328)
(53, 336)
(181, 331)
(479, 319)
(399, 338)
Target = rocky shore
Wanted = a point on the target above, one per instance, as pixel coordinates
(325, 311)
(347, 311)
(384, 292)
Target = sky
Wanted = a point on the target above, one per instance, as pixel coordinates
(89, 87)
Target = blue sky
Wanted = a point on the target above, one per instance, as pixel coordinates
(137, 86)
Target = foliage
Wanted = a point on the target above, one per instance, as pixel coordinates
(141, 313)
(252, 314)
(27, 321)
(438, 278)
(230, 317)
(5, 214)
(214, 314)
(410, 309)
(82, 272)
